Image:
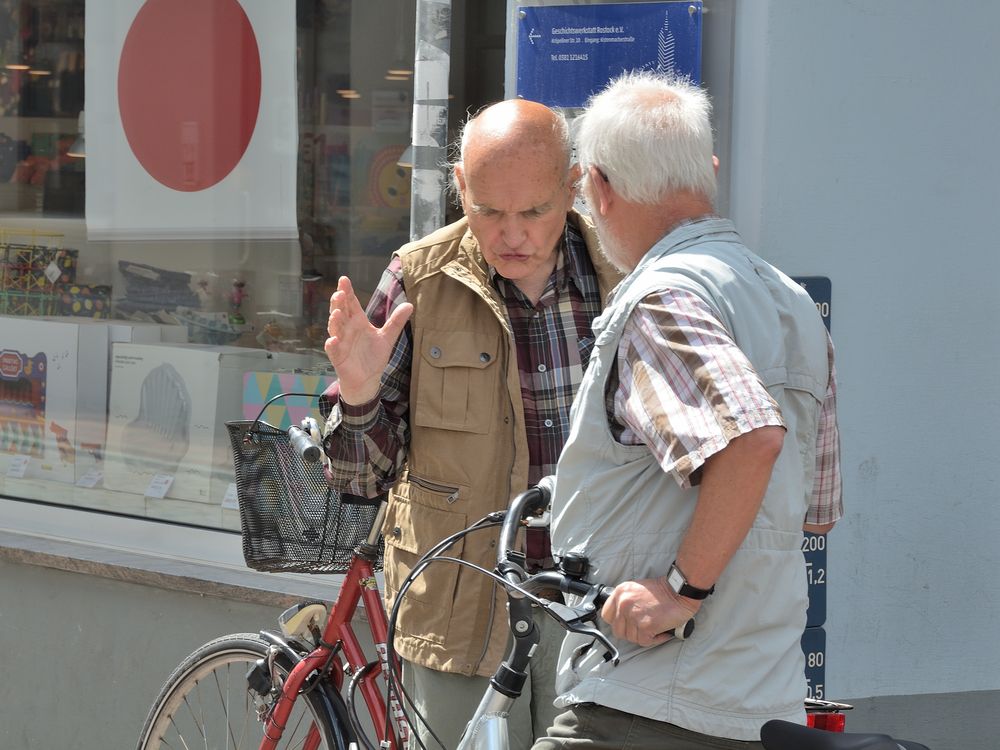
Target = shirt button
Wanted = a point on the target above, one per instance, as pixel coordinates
(548, 423)
(397, 532)
(435, 352)
(484, 357)
(542, 368)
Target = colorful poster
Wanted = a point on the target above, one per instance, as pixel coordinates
(190, 119)
(261, 387)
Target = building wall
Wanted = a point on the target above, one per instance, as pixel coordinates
(862, 151)
(85, 656)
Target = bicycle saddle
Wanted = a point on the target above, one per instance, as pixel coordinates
(784, 735)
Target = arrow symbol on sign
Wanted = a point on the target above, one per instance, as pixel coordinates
(532, 36)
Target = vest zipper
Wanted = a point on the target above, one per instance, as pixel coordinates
(441, 489)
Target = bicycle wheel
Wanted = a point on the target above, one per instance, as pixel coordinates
(206, 703)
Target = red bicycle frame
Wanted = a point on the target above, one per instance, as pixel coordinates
(360, 585)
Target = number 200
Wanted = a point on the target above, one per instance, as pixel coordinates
(813, 543)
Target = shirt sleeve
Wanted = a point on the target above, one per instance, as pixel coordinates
(826, 504)
(685, 388)
(366, 443)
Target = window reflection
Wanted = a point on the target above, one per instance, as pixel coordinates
(121, 357)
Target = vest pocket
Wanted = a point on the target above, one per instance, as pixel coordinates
(411, 528)
(455, 380)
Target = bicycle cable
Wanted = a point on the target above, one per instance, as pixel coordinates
(393, 684)
(270, 401)
(352, 708)
(435, 555)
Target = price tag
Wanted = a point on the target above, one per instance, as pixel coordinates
(92, 478)
(231, 499)
(53, 272)
(159, 485)
(18, 466)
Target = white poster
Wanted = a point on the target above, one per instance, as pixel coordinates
(191, 123)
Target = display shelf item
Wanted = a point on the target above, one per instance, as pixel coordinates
(152, 288)
(29, 304)
(83, 300)
(167, 412)
(210, 328)
(158, 437)
(32, 269)
(63, 405)
(22, 403)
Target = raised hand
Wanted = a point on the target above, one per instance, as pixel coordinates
(358, 350)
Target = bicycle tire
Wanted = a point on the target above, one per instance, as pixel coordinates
(206, 703)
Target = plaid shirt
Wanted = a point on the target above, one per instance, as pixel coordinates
(367, 443)
(683, 388)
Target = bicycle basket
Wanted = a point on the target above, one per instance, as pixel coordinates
(291, 519)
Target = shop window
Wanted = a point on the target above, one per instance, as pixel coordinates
(122, 356)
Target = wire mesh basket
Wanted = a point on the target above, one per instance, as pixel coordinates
(291, 520)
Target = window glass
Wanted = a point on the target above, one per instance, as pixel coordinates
(122, 354)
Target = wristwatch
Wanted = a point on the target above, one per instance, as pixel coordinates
(677, 581)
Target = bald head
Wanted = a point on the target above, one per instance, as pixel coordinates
(515, 183)
(515, 131)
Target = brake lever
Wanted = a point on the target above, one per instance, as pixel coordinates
(579, 620)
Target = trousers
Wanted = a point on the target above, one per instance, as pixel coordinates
(447, 701)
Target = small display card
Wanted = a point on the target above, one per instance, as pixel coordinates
(18, 466)
(159, 485)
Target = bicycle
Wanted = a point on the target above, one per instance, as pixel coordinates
(296, 688)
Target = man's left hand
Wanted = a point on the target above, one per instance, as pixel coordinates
(643, 611)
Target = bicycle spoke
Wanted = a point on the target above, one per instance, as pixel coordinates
(295, 731)
(249, 714)
(199, 725)
(202, 725)
(207, 704)
(224, 701)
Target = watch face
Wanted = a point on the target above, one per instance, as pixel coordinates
(675, 579)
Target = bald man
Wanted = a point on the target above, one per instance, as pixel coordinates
(453, 395)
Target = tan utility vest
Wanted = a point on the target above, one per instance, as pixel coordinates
(468, 454)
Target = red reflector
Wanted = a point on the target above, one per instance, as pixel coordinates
(827, 722)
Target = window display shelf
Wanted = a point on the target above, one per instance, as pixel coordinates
(100, 499)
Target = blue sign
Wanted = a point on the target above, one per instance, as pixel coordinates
(814, 550)
(821, 290)
(814, 649)
(565, 53)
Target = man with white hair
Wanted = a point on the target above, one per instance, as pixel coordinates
(704, 440)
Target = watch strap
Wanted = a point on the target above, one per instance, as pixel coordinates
(678, 582)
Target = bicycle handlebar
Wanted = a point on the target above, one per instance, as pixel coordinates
(305, 440)
(528, 503)
(593, 595)
(303, 444)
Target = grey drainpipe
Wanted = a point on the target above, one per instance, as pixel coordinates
(432, 64)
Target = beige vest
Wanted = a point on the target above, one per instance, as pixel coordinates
(468, 453)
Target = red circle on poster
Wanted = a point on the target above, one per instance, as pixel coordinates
(189, 90)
